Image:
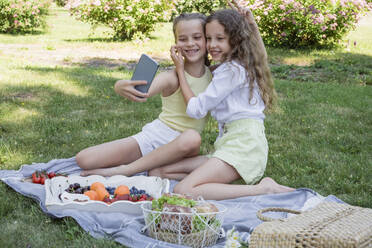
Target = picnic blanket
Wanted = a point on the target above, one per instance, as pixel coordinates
(125, 228)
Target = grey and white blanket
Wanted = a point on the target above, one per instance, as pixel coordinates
(125, 228)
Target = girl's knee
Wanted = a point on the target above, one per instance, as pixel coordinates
(189, 142)
(82, 161)
(178, 189)
(182, 188)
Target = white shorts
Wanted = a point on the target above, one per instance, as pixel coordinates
(154, 135)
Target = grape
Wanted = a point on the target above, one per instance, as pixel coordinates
(111, 190)
(76, 185)
(79, 191)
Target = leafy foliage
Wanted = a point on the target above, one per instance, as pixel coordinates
(201, 6)
(61, 3)
(128, 19)
(22, 16)
(301, 23)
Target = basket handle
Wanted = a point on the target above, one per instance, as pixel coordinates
(265, 218)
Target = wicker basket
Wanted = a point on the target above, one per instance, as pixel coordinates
(329, 224)
(189, 229)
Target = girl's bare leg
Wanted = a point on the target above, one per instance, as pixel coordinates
(185, 145)
(178, 170)
(109, 154)
(211, 181)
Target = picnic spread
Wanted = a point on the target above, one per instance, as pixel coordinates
(167, 221)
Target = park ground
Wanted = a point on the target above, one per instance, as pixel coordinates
(56, 98)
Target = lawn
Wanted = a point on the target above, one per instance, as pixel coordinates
(56, 98)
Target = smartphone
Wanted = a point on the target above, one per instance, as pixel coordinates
(146, 69)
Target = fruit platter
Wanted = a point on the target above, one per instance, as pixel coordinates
(100, 194)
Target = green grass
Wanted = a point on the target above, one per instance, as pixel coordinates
(53, 106)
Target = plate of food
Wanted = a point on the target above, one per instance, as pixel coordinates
(100, 194)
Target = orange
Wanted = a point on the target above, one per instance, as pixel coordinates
(122, 190)
(102, 193)
(96, 185)
(92, 195)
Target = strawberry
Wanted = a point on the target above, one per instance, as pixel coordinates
(107, 200)
(51, 174)
(42, 178)
(36, 177)
(143, 197)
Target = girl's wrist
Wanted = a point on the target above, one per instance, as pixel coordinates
(180, 70)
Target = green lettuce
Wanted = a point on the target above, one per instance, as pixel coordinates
(158, 204)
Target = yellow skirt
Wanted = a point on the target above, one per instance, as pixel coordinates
(243, 145)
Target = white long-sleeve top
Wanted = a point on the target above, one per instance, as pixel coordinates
(227, 97)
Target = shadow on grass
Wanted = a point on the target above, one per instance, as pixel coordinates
(59, 122)
(119, 64)
(109, 40)
(343, 68)
(34, 32)
(104, 63)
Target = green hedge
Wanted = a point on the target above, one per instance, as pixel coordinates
(129, 19)
(302, 23)
(22, 16)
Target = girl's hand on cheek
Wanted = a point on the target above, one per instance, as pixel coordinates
(177, 57)
(247, 13)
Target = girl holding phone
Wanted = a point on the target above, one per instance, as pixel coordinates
(130, 155)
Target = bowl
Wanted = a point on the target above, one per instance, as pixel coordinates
(58, 199)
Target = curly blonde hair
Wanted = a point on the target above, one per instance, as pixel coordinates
(247, 48)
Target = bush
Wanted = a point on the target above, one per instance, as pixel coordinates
(61, 3)
(301, 23)
(129, 19)
(22, 16)
(201, 6)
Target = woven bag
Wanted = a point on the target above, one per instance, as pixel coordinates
(329, 224)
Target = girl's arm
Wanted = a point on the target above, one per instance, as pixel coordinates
(164, 83)
(228, 79)
(180, 69)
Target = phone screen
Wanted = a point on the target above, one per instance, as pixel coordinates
(146, 69)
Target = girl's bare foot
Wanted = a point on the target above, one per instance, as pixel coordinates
(272, 187)
(106, 172)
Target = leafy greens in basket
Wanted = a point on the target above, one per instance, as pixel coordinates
(198, 214)
(176, 200)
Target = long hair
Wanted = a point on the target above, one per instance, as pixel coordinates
(187, 17)
(248, 49)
